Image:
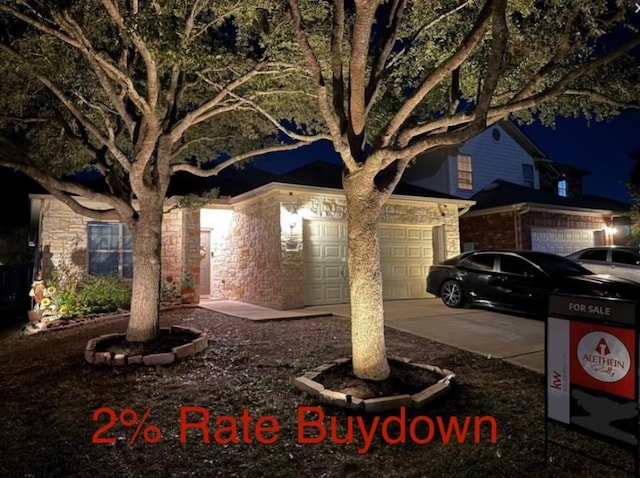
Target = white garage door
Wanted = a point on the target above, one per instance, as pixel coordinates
(406, 254)
(325, 262)
(560, 241)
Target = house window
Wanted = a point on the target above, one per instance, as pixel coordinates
(110, 249)
(527, 175)
(562, 188)
(465, 173)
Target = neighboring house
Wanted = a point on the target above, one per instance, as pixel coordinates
(523, 199)
(280, 244)
(500, 152)
(512, 216)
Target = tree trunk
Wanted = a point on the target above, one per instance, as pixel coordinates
(365, 280)
(145, 301)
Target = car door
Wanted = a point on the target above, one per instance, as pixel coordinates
(479, 270)
(595, 260)
(521, 285)
(625, 264)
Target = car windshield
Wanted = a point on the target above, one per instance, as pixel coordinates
(558, 266)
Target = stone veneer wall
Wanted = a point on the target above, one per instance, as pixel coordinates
(316, 207)
(181, 245)
(64, 240)
(253, 270)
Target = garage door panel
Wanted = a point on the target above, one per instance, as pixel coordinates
(331, 272)
(561, 241)
(406, 252)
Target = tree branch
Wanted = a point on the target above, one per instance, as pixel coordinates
(75, 111)
(329, 116)
(337, 37)
(204, 173)
(440, 72)
(153, 87)
(411, 41)
(360, 38)
(383, 50)
(601, 98)
(562, 50)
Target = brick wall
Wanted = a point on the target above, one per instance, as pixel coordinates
(498, 231)
(492, 231)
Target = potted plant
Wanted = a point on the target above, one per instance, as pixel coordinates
(187, 289)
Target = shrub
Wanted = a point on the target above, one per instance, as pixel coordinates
(104, 294)
(81, 295)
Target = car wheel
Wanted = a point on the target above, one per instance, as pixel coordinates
(451, 294)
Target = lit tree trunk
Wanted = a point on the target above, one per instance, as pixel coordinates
(145, 302)
(364, 205)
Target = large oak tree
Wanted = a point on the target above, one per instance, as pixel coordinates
(133, 92)
(396, 79)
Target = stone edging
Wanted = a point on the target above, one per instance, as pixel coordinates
(198, 344)
(104, 318)
(307, 383)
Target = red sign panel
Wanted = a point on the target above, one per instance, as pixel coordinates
(602, 358)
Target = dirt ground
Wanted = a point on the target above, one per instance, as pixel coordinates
(60, 416)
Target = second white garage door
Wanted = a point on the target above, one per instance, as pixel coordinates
(406, 252)
(560, 241)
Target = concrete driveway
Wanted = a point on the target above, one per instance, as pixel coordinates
(515, 339)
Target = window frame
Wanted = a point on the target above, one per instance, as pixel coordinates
(595, 252)
(526, 170)
(464, 167)
(562, 188)
(618, 252)
(124, 254)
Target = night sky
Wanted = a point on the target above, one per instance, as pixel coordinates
(602, 148)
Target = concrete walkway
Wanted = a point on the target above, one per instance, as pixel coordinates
(494, 335)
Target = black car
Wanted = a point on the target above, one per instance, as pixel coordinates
(519, 280)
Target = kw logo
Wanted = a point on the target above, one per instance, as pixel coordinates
(556, 381)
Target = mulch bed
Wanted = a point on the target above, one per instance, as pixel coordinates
(53, 405)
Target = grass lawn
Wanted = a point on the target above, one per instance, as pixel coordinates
(48, 396)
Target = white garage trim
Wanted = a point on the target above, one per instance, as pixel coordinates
(406, 252)
(560, 240)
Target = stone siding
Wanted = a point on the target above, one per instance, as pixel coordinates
(63, 240)
(259, 258)
(253, 269)
(181, 245)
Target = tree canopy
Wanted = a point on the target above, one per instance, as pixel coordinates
(116, 87)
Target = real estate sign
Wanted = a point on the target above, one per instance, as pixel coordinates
(592, 367)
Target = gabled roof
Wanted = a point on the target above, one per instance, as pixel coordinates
(233, 182)
(522, 139)
(502, 193)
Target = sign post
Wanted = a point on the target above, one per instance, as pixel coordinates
(591, 370)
